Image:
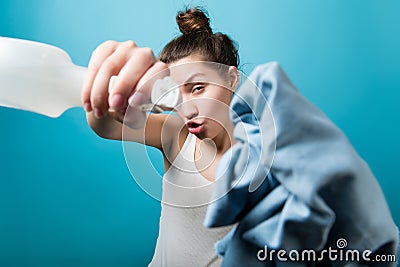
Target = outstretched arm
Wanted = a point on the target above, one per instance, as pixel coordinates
(108, 113)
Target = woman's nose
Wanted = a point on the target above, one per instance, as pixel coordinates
(188, 109)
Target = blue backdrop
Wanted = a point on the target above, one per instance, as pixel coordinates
(67, 197)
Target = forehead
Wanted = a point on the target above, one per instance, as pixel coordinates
(191, 70)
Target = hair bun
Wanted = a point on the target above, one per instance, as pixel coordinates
(193, 20)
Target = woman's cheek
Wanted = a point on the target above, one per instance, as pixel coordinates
(213, 109)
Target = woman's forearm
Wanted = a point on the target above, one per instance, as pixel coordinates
(106, 127)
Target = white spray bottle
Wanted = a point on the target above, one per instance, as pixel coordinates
(38, 77)
(41, 78)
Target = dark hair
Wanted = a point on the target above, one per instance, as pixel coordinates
(197, 38)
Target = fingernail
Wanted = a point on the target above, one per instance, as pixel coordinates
(116, 101)
(136, 99)
(87, 106)
(98, 113)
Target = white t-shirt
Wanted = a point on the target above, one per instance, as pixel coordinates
(182, 239)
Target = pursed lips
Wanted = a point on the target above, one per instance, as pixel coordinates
(193, 124)
(195, 127)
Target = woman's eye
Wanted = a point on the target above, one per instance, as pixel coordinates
(197, 88)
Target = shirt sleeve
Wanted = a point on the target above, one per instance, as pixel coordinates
(293, 180)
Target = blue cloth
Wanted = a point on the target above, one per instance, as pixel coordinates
(294, 180)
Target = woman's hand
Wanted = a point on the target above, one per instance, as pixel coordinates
(134, 67)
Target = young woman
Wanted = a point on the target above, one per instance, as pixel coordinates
(320, 191)
(200, 136)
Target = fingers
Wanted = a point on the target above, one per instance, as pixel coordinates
(142, 93)
(98, 56)
(132, 65)
(140, 62)
(110, 66)
(134, 116)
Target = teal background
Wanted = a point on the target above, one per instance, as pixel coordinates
(67, 197)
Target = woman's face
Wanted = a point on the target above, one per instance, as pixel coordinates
(206, 95)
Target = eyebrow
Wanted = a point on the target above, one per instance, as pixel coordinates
(191, 77)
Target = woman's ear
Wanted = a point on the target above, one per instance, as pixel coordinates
(233, 77)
